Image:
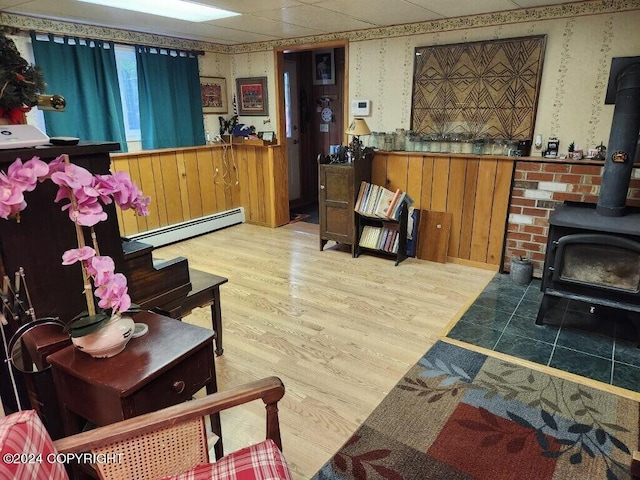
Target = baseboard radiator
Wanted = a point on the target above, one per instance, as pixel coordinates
(192, 228)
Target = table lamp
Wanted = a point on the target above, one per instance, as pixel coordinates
(357, 127)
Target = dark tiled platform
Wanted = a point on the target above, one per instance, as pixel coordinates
(599, 344)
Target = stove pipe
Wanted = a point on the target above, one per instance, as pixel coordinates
(623, 140)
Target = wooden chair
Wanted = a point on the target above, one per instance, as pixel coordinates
(173, 440)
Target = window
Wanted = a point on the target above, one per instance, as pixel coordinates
(128, 80)
(287, 105)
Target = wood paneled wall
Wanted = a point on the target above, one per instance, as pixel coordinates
(475, 189)
(185, 184)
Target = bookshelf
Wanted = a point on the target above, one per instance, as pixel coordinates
(387, 237)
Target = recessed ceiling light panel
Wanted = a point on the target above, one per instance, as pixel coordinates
(178, 9)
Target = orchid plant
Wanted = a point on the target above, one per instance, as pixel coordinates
(83, 195)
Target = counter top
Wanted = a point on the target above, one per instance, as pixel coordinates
(52, 151)
(540, 159)
(254, 144)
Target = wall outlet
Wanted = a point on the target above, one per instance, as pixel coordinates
(324, 127)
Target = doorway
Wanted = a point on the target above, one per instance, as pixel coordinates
(312, 118)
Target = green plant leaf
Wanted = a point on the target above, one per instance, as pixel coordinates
(134, 308)
(86, 325)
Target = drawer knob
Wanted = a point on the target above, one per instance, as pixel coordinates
(178, 386)
(321, 187)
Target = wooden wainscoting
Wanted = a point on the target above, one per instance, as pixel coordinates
(189, 183)
(473, 188)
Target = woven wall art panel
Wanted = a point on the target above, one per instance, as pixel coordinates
(485, 89)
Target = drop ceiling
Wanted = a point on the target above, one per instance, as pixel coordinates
(267, 20)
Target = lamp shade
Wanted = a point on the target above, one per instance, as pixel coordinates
(358, 127)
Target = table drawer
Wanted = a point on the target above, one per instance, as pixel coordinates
(178, 384)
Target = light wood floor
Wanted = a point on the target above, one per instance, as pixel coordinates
(340, 332)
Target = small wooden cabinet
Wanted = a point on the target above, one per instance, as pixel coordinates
(339, 184)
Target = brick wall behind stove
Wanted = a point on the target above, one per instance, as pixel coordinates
(537, 188)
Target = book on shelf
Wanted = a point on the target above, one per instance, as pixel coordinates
(361, 193)
(379, 238)
(384, 202)
(375, 201)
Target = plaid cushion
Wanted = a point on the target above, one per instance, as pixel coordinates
(262, 461)
(27, 448)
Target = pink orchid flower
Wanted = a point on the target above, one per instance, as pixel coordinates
(73, 177)
(126, 190)
(77, 254)
(56, 165)
(11, 197)
(114, 294)
(106, 186)
(26, 176)
(88, 211)
(101, 268)
(141, 205)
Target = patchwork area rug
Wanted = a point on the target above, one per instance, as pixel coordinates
(459, 414)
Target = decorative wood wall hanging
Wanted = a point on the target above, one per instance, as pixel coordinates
(484, 89)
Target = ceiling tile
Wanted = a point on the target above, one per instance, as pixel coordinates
(12, 3)
(378, 11)
(317, 18)
(537, 3)
(447, 8)
(250, 6)
(266, 26)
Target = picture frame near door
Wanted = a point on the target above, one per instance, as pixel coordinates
(324, 68)
(252, 96)
(213, 91)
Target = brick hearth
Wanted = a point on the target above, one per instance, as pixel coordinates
(537, 188)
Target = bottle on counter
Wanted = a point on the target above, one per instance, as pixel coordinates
(478, 146)
(399, 139)
(467, 144)
(456, 143)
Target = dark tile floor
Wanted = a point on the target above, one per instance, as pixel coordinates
(311, 210)
(599, 345)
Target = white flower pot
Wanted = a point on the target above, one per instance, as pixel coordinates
(107, 341)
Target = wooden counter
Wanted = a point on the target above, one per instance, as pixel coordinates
(473, 188)
(189, 183)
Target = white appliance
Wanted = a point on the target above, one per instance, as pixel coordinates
(21, 136)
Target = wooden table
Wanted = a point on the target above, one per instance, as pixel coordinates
(164, 367)
(205, 291)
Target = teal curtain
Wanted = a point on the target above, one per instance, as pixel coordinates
(85, 74)
(170, 100)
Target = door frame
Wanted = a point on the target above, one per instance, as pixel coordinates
(278, 53)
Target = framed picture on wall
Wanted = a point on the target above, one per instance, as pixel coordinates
(324, 69)
(252, 96)
(214, 94)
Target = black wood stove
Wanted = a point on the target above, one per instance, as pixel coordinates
(592, 258)
(593, 250)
